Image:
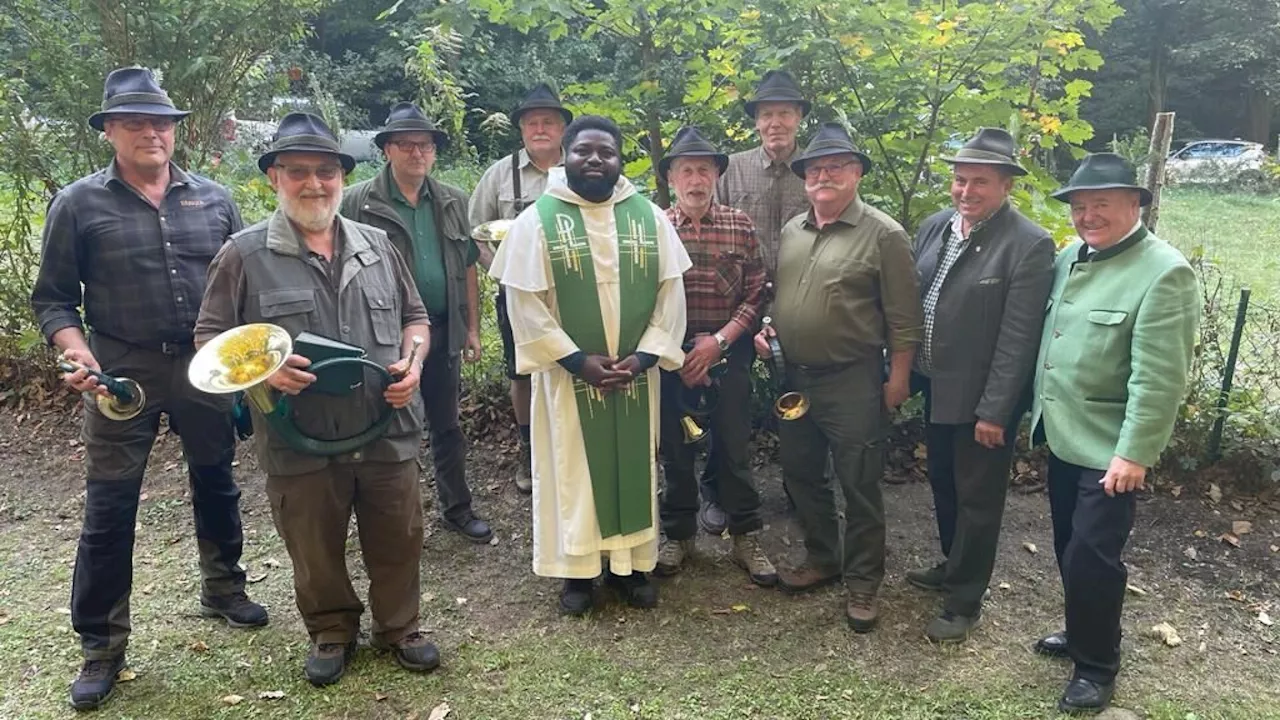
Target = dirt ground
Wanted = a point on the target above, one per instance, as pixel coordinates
(1207, 565)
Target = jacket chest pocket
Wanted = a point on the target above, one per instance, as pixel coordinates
(384, 315)
(1107, 333)
(291, 308)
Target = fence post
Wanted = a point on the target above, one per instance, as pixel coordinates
(1228, 375)
(1161, 137)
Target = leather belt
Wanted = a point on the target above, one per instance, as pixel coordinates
(820, 370)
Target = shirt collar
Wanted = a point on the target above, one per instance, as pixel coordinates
(957, 222)
(680, 217)
(767, 162)
(177, 176)
(424, 192)
(851, 215)
(1136, 235)
(526, 161)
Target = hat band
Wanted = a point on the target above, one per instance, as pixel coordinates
(286, 143)
(410, 125)
(136, 97)
(982, 155)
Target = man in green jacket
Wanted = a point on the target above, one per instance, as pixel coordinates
(1115, 353)
(427, 222)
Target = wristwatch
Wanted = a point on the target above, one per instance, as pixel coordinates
(722, 341)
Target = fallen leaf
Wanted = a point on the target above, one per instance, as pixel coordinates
(439, 712)
(1265, 619)
(1022, 467)
(1203, 646)
(271, 695)
(1275, 548)
(271, 563)
(740, 607)
(1165, 633)
(1191, 553)
(232, 700)
(1030, 547)
(1200, 533)
(379, 697)
(720, 611)
(4, 618)
(1176, 490)
(461, 601)
(1137, 590)
(494, 541)
(1241, 527)
(1230, 539)
(256, 578)
(921, 452)
(1215, 492)
(126, 675)
(1004, 586)
(199, 646)
(1237, 505)
(1236, 595)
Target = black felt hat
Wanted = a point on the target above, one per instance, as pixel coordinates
(304, 132)
(991, 146)
(1103, 171)
(777, 86)
(407, 117)
(134, 91)
(831, 139)
(541, 97)
(689, 143)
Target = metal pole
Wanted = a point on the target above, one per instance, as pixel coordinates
(1228, 375)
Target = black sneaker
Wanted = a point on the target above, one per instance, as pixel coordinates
(413, 652)
(471, 528)
(634, 589)
(328, 661)
(575, 598)
(96, 682)
(237, 609)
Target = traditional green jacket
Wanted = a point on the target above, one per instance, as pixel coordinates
(1115, 354)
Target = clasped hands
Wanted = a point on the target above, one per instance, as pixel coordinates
(607, 374)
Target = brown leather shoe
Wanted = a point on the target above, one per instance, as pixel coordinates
(861, 611)
(805, 578)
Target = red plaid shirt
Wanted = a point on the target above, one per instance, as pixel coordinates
(726, 282)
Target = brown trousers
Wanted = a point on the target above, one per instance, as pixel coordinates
(312, 512)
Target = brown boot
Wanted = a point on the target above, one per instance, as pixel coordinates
(805, 578)
(860, 611)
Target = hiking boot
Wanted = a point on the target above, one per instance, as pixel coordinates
(805, 578)
(96, 682)
(635, 589)
(712, 519)
(861, 611)
(575, 598)
(748, 555)
(327, 661)
(928, 578)
(413, 652)
(671, 556)
(471, 528)
(236, 608)
(524, 478)
(952, 628)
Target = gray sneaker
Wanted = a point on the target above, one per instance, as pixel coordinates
(951, 628)
(712, 519)
(928, 578)
(748, 555)
(671, 556)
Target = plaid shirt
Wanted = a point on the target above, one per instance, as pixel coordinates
(726, 281)
(953, 246)
(768, 192)
(142, 268)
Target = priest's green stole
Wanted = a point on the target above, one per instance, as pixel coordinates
(615, 425)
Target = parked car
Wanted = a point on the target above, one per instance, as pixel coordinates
(1214, 161)
(254, 136)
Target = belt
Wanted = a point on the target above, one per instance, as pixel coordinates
(166, 347)
(820, 370)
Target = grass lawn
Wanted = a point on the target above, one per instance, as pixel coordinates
(1240, 232)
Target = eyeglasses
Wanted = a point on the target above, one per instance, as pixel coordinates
(135, 124)
(813, 172)
(299, 173)
(406, 146)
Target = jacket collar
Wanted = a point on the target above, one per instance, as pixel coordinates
(1137, 235)
(992, 220)
(851, 215)
(380, 190)
(284, 238)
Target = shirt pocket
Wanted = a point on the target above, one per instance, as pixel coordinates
(384, 315)
(291, 308)
(728, 278)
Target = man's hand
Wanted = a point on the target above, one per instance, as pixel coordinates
(896, 392)
(80, 380)
(1123, 476)
(400, 393)
(627, 368)
(705, 353)
(472, 350)
(693, 381)
(988, 435)
(598, 371)
(290, 379)
(762, 342)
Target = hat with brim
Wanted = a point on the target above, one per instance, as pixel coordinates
(1103, 171)
(406, 117)
(134, 91)
(777, 86)
(831, 139)
(991, 146)
(304, 133)
(689, 143)
(541, 97)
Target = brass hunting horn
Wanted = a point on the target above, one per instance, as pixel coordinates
(126, 398)
(697, 403)
(790, 405)
(242, 358)
(494, 231)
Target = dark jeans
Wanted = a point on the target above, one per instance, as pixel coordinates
(441, 381)
(1089, 534)
(508, 340)
(116, 458)
(730, 422)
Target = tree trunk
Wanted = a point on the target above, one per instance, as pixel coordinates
(1258, 110)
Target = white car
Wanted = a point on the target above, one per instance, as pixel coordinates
(1214, 161)
(254, 136)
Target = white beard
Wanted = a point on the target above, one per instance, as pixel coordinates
(310, 216)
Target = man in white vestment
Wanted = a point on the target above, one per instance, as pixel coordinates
(596, 301)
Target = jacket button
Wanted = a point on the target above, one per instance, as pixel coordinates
(346, 329)
(1048, 366)
(1057, 333)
